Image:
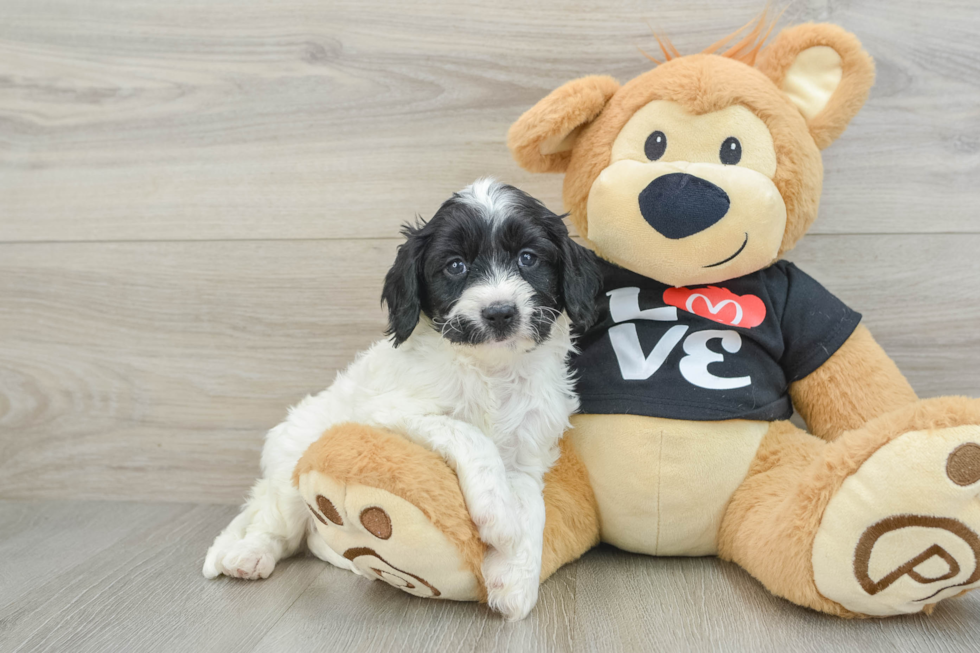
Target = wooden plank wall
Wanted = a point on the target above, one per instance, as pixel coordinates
(198, 201)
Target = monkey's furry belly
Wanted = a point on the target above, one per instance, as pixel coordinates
(663, 485)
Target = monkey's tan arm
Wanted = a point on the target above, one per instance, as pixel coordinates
(858, 383)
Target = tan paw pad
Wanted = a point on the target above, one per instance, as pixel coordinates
(387, 538)
(902, 531)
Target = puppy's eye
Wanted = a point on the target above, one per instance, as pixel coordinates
(456, 267)
(527, 259)
(731, 151)
(655, 146)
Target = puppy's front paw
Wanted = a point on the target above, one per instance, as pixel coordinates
(241, 560)
(497, 521)
(512, 584)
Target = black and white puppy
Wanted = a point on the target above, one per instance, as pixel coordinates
(480, 300)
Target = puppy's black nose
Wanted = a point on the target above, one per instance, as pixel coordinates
(499, 316)
(679, 205)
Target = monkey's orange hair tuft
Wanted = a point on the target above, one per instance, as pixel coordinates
(745, 49)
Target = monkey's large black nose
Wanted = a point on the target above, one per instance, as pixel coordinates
(679, 205)
(499, 316)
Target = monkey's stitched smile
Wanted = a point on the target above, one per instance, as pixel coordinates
(744, 243)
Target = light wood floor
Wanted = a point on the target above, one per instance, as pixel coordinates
(198, 202)
(110, 576)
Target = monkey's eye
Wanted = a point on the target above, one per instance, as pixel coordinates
(456, 267)
(731, 151)
(527, 259)
(655, 146)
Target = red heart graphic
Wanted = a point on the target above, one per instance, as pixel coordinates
(718, 305)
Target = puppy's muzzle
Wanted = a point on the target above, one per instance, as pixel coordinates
(500, 318)
(679, 205)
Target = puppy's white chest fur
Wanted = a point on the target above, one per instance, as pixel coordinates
(504, 400)
(519, 399)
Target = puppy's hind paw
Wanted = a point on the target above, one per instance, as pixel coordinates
(250, 564)
(241, 560)
(212, 563)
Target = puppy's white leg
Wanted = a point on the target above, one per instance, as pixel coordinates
(513, 579)
(234, 532)
(275, 519)
(478, 466)
(270, 527)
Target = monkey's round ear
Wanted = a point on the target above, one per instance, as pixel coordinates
(824, 72)
(542, 139)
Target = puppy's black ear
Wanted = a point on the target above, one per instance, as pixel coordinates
(581, 282)
(402, 289)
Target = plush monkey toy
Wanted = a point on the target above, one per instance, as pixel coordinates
(691, 181)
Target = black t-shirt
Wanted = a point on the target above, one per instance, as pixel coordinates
(723, 351)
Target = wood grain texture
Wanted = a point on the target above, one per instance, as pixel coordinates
(33, 545)
(152, 370)
(235, 119)
(144, 591)
(157, 367)
(703, 604)
(343, 612)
